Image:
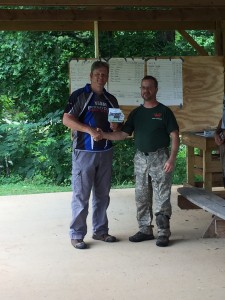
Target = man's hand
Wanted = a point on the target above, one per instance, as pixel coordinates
(169, 166)
(218, 139)
(99, 135)
(96, 134)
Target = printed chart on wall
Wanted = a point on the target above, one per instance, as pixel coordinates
(79, 71)
(168, 72)
(125, 78)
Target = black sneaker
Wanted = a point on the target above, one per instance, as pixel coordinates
(162, 241)
(140, 237)
(79, 244)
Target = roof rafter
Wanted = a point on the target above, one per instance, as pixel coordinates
(104, 26)
(175, 15)
(144, 3)
(111, 14)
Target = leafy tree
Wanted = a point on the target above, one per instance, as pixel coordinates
(34, 68)
(31, 149)
(34, 87)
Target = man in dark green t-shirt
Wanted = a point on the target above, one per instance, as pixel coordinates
(153, 125)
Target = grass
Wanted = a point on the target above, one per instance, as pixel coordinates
(22, 188)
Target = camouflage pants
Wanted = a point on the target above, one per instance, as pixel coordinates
(151, 178)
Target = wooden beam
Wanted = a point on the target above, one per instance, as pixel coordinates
(173, 15)
(193, 43)
(47, 26)
(151, 25)
(218, 39)
(103, 26)
(223, 46)
(144, 3)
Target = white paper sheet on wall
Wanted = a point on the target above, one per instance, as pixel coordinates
(125, 78)
(79, 73)
(168, 72)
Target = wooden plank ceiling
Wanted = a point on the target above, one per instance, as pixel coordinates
(112, 15)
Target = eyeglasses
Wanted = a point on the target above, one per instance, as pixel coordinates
(144, 88)
(147, 88)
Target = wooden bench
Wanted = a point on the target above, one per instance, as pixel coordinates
(211, 203)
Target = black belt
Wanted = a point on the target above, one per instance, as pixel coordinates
(148, 153)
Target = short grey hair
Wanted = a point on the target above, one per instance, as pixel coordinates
(99, 64)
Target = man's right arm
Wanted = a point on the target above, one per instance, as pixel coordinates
(75, 125)
(114, 136)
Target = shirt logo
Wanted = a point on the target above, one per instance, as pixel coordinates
(96, 108)
(157, 116)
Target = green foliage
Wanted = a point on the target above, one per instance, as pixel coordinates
(179, 176)
(203, 37)
(6, 106)
(13, 179)
(41, 148)
(34, 88)
(152, 43)
(123, 166)
(34, 68)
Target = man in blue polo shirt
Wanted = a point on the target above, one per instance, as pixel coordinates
(87, 109)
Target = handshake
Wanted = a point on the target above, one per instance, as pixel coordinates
(97, 133)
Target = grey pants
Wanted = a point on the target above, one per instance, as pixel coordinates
(91, 171)
(150, 177)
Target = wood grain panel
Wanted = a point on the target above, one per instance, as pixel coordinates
(203, 90)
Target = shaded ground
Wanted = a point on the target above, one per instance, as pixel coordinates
(38, 262)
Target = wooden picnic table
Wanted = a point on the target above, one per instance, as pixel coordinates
(202, 159)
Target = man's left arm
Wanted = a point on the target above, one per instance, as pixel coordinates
(175, 143)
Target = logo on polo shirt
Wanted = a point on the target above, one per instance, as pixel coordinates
(157, 116)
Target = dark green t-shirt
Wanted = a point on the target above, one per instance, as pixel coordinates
(151, 127)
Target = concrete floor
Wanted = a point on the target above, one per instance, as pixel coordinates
(37, 260)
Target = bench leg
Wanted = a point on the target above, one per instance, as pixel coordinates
(216, 229)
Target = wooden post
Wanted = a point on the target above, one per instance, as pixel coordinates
(207, 175)
(218, 36)
(190, 165)
(96, 34)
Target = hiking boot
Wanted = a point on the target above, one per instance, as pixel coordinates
(79, 244)
(104, 237)
(140, 237)
(162, 241)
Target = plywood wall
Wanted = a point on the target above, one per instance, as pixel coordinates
(203, 92)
